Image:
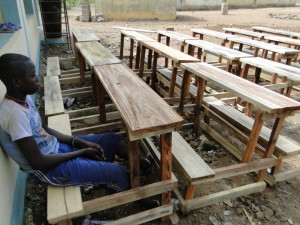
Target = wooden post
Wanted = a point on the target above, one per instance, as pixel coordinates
(224, 7)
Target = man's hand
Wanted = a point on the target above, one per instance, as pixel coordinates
(93, 153)
(82, 144)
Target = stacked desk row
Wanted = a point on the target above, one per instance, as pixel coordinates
(141, 120)
(267, 105)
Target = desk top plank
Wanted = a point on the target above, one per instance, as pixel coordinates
(136, 36)
(276, 31)
(245, 32)
(96, 54)
(53, 68)
(143, 111)
(213, 33)
(84, 35)
(176, 35)
(285, 40)
(218, 49)
(171, 53)
(267, 100)
(292, 73)
(263, 45)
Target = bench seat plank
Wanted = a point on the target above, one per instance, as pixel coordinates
(284, 145)
(83, 35)
(136, 36)
(95, 54)
(188, 161)
(285, 40)
(63, 202)
(244, 32)
(267, 100)
(292, 73)
(213, 33)
(53, 98)
(53, 68)
(141, 108)
(276, 31)
(176, 35)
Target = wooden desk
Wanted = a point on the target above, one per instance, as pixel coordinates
(248, 33)
(137, 37)
(278, 52)
(224, 37)
(269, 104)
(177, 57)
(82, 35)
(290, 75)
(276, 31)
(144, 113)
(175, 35)
(231, 55)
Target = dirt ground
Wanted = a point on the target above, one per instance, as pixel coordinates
(276, 205)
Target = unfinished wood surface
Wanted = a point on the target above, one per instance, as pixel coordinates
(284, 146)
(212, 33)
(83, 35)
(145, 216)
(168, 52)
(276, 31)
(225, 195)
(175, 35)
(53, 99)
(53, 68)
(135, 29)
(95, 54)
(136, 36)
(219, 50)
(282, 70)
(188, 161)
(141, 108)
(261, 97)
(284, 40)
(63, 202)
(248, 33)
(265, 46)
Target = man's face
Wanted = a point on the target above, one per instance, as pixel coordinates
(29, 81)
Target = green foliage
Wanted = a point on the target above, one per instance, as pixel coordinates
(71, 3)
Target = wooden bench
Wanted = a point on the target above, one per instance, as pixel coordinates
(278, 52)
(134, 37)
(289, 75)
(177, 57)
(248, 33)
(53, 99)
(276, 31)
(204, 47)
(174, 35)
(269, 105)
(211, 33)
(144, 113)
(53, 68)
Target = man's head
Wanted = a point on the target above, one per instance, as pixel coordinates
(17, 72)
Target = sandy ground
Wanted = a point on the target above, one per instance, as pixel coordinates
(279, 204)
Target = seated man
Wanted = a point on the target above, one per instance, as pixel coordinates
(48, 155)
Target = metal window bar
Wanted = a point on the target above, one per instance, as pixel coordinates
(64, 28)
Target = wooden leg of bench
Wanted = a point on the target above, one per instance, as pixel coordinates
(199, 100)
(166, 165)
(138, 55)
(253, 137)
(65, 222)
(134, 163)
(173, 81)
(271, 145)
(190, 192)
(122, 46)
(283, 80)
(166, 59)
(153, 75)
(131, 53)
(245, 70)
(101, 101)
(141, 69)
(95, 91)
(185, 90)
(257, 75)
(81, 66)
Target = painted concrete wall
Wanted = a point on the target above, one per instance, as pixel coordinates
(216, 4)
(136, 9)
(24, 41)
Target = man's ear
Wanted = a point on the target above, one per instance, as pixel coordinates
(16, 82)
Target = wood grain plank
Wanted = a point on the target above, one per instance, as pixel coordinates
(95, 54)
(244, 32)
(176, 35)
(136, 36)
(141, 108)
(276, 31)
(53, 98)
(53, 68)
(83, 35)
(213, 33)
(261, 97)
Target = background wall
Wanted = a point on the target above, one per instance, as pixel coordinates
(216, 4)
(136, 9)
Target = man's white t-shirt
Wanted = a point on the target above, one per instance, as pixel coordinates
(17, 122)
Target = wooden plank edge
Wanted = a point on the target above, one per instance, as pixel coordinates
(225, 195)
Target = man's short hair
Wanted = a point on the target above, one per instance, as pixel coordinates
(12, 65)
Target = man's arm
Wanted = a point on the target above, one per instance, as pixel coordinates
(38, 161)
